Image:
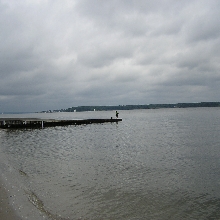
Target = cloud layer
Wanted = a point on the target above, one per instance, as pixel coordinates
(57, 54)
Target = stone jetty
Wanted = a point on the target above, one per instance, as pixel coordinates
(7, 123)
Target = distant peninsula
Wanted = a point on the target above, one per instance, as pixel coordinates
(133, 107)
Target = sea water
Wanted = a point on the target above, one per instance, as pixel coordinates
(155, 164)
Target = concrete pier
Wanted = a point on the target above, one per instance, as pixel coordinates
(7, 123)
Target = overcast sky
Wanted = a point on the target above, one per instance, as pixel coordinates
(61, 53)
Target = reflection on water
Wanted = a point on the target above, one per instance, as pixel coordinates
(155, 164)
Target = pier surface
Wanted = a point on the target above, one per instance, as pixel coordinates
(6, 123)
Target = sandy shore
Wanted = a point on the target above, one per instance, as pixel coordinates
(6, 210)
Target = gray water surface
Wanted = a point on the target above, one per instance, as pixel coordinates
(155, 164)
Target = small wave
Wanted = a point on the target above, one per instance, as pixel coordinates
(38, 203)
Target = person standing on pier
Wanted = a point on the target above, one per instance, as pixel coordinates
(116, 113)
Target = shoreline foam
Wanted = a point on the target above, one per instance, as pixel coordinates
(14, 201)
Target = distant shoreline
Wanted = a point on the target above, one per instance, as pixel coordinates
(125, 107)
(135, 107)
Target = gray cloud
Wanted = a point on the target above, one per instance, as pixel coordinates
(57, 54)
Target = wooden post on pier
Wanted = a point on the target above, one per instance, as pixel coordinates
(42, 124)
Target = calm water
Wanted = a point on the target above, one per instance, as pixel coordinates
(155, 164)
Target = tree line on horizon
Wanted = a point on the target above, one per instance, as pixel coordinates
(133, 107)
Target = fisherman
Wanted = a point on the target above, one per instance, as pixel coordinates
(116, 113)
